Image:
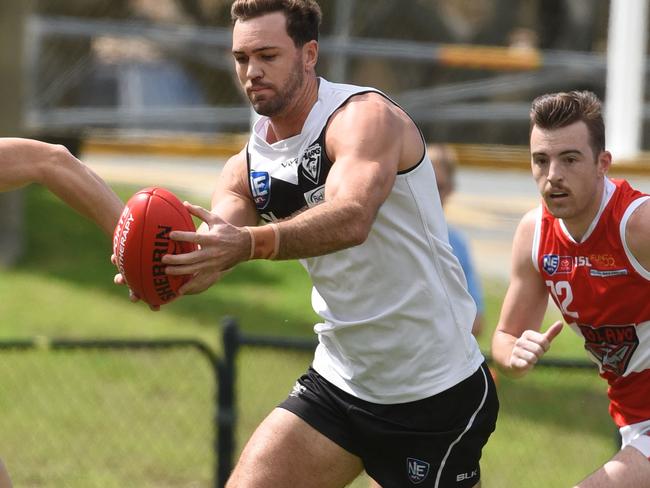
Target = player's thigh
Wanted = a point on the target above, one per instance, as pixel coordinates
(286, 451)
(629, 468)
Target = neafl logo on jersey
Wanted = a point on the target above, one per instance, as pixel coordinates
(261, 188)
(553, 263)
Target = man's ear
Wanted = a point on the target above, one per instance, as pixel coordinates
(604, 162)
(310, 55)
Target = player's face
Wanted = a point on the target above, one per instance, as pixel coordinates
(568, 174)
(269, 66)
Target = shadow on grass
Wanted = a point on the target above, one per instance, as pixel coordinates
(61, 244)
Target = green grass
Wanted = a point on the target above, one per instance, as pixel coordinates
(77, 417)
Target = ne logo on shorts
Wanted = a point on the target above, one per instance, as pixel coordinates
(417, 470)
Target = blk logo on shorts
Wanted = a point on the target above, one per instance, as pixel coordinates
(417, 470)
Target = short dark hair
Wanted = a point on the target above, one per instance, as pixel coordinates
(303, 16)
(556, 110)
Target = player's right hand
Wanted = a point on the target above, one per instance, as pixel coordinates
(530, 347)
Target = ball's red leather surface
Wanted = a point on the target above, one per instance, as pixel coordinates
(141, 239)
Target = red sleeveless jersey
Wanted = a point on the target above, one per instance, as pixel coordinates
(604, 295)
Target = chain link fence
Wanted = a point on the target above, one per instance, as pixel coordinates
(108, 414)
(171, 414)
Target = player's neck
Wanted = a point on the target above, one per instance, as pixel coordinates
(580, 224)
(291, 122)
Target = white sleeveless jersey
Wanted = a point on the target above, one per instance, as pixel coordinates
(396, 313)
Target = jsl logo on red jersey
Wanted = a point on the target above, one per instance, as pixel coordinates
(612, 346)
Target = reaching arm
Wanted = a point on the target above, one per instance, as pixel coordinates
(517, 343)
(26, 161)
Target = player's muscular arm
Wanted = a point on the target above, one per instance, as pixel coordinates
(637, 234)
(517, 343)
(26, 161)
(361, 140)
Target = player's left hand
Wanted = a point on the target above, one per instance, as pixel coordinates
(221, 246)
(118, 279)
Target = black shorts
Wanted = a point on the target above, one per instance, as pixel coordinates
(434, 442)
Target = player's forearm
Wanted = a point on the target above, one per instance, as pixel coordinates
(78, 186)
(26, 161)
(21, 161)
(323, 229)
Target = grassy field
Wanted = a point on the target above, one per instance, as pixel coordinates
(155, 410)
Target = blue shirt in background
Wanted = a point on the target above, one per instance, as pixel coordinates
(458, 244)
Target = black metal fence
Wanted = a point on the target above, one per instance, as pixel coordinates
(104, 413)
(172, 412)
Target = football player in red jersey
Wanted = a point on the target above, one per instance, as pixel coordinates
(26, 161)
(587, 247)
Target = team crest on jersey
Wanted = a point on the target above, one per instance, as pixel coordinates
(552, 263)
(611, 346)
(417, 470)
(310, 163)
(261, 188)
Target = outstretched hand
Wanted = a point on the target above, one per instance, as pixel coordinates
(118, 279)
(531, 346)
(220, 247)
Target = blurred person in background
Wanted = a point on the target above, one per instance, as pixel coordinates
(444, 162)
(587, 246)
(340, 174)
(26, 161)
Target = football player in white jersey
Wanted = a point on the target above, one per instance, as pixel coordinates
(587, 247)
(340, 174)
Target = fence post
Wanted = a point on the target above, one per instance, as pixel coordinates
(226, 415)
